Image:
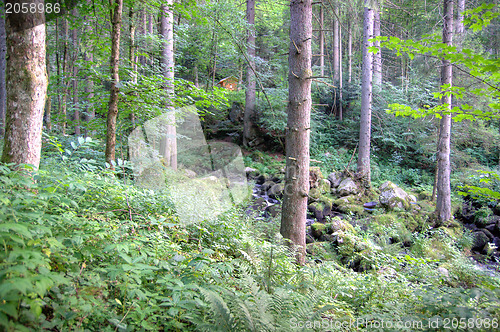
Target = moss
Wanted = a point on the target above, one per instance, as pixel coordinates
(327, 200)
(336, 224)
(385, 219)
(324, 186)
(319, 206)
(314, 194)
(318, 229)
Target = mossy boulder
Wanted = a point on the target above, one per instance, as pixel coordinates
(324, 186)
(339, 225)
(391, 197)
(315, 176)
(349, 204)
(276, 191)
(347, 187)
(314, 194)
(318, 229)
(335, 178)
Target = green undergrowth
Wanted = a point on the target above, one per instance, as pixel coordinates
(85, 250)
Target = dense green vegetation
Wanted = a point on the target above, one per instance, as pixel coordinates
(83, 248)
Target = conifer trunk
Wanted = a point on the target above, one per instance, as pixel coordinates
(293, 220)
(248, 125)
(26, 86)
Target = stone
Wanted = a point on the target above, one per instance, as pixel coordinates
(335, 178)
(324, 186)
(443, 272)
(189, 173)
(347, 187)
(261, 179)
(391, 196)
(251, 172)
(480, 240)
(267, 185)
(273, 210)
(314, 194)
(488, 233)
(276, 191)
(316, 210)
(317, 229)
(315, 176)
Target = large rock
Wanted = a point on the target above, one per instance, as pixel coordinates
(324, 186)
(335, 179)
(391, 196)
(347, 187)
(480, 240)
(276, 191)
(315, 176)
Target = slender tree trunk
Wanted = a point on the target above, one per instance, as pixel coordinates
(443, 204)
(26, 86)
(3, 61)
(366, 99)
(293, 220)
(321, 41)
(89, 112)
(349, 51)
(48, 101)
(168, 145)
(459, 28)
(377, 57)
(336, 43)
(248, 125)
(196, 78)
(65, 82)
(116, 22)
(341, 84)
(131, 55)
(76, 114)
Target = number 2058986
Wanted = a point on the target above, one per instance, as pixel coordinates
(32, 8)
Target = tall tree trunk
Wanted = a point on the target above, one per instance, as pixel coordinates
(349, 51)
(443, 204)
(459, 28)
(89, 113)
(116, 22)
(293, 220)
(336, 43)
(168, 145)
(248, 125)
(64, 80)
(341, 84)
(377, 57)
(76, 114)
(26, 86)
(321, 41)
(366, 99)
(131, 54)
(48, 102)
(3, 61)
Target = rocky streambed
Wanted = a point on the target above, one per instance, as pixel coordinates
(338, 202)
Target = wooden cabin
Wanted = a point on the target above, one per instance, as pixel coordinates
(230, 83)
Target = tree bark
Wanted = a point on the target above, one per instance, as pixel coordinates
(293, 220)
(132, 54)
(336, 44)
(377, 57)
(116, 22)
(64, 106)
(76, 114)
(3, 52)
(26, 86)
(248, 125)
(443, 203)
(168, 144)
(366, 99)
(48, 101)
(341, 84)
(349, 51)
(459, 28)
(321, 41)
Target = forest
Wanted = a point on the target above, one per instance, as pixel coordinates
(257, 165)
